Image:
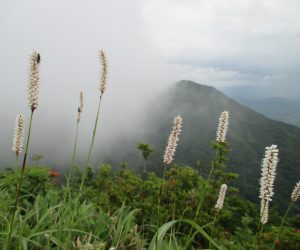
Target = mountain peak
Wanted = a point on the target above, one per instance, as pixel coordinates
(193, 85)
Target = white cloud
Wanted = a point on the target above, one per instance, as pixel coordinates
(249, 36)
(219, 77)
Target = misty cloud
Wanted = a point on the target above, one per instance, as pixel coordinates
(68, 35)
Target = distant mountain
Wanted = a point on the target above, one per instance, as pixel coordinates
(246, 91)
(249, 133)
(278, 108)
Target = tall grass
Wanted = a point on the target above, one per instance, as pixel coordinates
(169, 155)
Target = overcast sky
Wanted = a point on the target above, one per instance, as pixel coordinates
(149, 45)
(230, 42)
(210, 41)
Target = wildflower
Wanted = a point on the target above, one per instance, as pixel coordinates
(221, 198)
(172, 142)
(296, 192)
(222, 127)
(19, 134)
(80, 108)
(103, 77)
(33, 85)
(54, 173)
(269, 165)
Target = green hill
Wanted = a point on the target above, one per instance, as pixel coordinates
(249, 133)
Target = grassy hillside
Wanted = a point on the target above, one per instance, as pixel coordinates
(249, 133)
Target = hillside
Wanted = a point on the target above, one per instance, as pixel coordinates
(278, 108)
(249, 133)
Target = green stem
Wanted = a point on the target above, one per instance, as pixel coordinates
(83, 174)
(90, 151)
(208, 179)
(20, 183)
(75, 145)
(94, 133)
(282, 222)
(17, 161)
(213, 228)
(216, 159)
(160, 193)
(259, 234)
(260, 226)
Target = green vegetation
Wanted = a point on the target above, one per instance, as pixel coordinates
(119, 209)
(125, 209)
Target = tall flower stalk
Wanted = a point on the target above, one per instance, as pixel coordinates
(79, 112)
(170, 152)
(294, 198)
(220, 139)
(33, 101)
(269, 165)
(102, 88)
(33, 95)
(218, 207)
